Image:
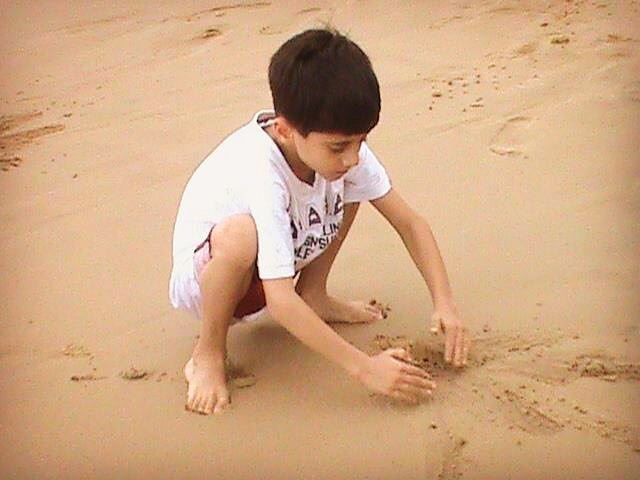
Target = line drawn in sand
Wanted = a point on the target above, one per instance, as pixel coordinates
(452, 458)
(518, 398)
(509, 140)
(12, 142)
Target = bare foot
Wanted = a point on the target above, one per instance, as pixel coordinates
(333, 310)
(207, 392)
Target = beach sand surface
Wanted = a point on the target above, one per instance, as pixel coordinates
(512, 126)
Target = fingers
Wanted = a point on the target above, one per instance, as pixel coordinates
(415, 383)
(411, 394)
(461, 348)
(420, 382)
(436, 324)
(414, 371)
(398, 353)
(449, 344)
(417, 393)
(403, 397)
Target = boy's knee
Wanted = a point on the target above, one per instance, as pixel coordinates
(236, 239)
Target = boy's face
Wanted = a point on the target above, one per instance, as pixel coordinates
(331, 155)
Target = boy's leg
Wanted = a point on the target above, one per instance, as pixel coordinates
(312, 283)
(223, 283)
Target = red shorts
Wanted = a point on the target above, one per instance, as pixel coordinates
(253, 301)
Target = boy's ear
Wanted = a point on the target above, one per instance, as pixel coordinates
(283, 128)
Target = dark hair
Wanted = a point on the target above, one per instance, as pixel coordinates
(321, 81)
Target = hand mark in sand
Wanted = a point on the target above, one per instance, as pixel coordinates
(527, 410)
(525, 363)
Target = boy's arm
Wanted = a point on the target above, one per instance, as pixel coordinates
(382, 373)
(421, 245)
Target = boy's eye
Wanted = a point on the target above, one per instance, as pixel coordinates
(337, 148)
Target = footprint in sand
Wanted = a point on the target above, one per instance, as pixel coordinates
(511, 136)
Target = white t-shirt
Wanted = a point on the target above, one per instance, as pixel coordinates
(295, 221)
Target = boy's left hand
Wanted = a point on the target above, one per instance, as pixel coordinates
(456, 335)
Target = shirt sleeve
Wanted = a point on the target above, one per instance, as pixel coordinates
(366, 181)
(268, 201)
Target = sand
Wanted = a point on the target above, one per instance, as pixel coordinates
(511, 126)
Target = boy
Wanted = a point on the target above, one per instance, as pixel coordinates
(276, 199)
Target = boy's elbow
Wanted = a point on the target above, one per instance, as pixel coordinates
(414, 223)
(278, 295)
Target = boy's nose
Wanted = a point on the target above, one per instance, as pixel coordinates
(350, 160)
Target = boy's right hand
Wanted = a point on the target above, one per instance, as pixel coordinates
(388, 375)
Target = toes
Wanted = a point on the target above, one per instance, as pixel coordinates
(205, 406)
(198, 404)
(191, 397)
(208, 405)
(222, 403)
(372, 314)
(361, 312)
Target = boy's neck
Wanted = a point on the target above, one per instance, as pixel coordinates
(298, 167)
